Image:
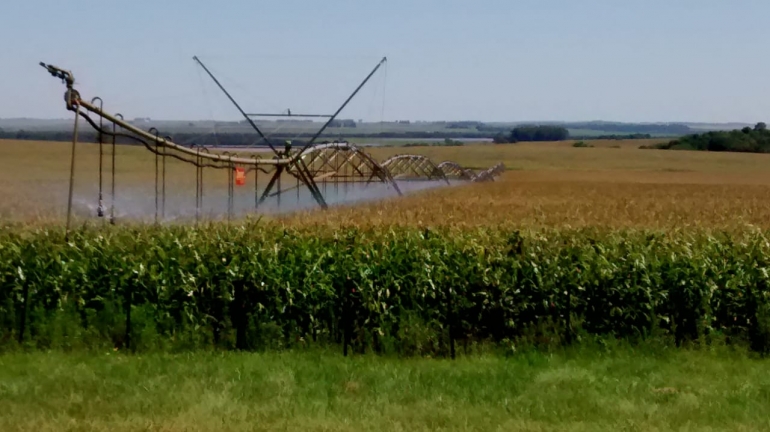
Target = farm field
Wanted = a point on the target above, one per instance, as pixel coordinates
(547, 184)
(385, 216)
(603, 288)
(556, 185)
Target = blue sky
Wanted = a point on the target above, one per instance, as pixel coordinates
(490, 60)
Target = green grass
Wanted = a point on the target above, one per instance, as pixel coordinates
(617, 388)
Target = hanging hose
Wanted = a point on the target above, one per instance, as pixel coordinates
(155, 131)
(230, 185)
(100, 137)
(75, 107)
(163, 190)
(197, 184)
(256, 186)
(278, 185)
(112, 201)
(229, 194)
(199, 165)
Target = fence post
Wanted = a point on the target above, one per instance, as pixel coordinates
(568, 329)
(240, 320)
(24, 306)
(346, 306)
(450, 322)
(128, 317)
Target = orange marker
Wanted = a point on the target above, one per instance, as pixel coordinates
(240, 176)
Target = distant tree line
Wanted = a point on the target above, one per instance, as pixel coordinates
(342, 123)
(460, 129)
(607, 129)
(291, 120)
(533, 133)
(465, 125)
(615, 136)
(539, 133)
(448, 142)
(750, 140)
(634, 128)
(231, 139)
(625, 137)
(225, 139)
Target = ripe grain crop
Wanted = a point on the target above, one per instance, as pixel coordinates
(570, 199)
(548, 184)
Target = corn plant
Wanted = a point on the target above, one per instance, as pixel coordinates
(404, 290)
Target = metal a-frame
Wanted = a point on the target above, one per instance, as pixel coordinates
(297, 167)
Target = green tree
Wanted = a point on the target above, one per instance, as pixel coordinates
(501, 138)
(539, 133)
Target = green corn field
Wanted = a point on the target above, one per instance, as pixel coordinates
(401, 290)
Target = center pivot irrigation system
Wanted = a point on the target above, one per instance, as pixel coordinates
(313, 163)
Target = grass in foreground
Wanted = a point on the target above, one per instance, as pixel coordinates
(590, 389)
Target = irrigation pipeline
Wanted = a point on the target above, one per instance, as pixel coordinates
(339, 162)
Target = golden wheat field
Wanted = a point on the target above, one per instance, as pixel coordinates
(613, 184)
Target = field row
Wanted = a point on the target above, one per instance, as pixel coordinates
(409, 291)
